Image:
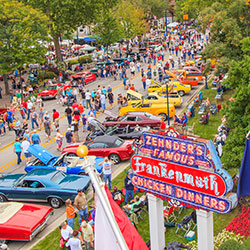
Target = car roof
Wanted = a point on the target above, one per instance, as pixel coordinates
(106, 138)
(41, 173)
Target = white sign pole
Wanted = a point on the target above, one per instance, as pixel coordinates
(205, 230)
(156, 223)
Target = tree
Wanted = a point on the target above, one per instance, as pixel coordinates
(152, 8)
(108, 27)
(238, 111)
(66, 15)
(23, 31)
(132, 19)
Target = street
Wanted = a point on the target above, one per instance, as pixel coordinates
(8, 158)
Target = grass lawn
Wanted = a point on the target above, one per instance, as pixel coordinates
(220, 221)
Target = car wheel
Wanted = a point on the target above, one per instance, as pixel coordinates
(2, 198)
(55, 202)
(71, 155)
(164, 116)
(181, 93)
(115, 158)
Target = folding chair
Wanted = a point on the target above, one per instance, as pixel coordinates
(169, 214)
(185, 225)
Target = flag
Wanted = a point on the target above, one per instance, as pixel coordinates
(244, 184)
(104, 236)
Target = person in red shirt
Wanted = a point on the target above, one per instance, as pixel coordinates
(163, 125)
(80, 108)
(75, 105)
(132, 87)
(55, 117)
(24, 104)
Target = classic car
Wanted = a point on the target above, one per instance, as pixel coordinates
(143, 119)
(152, 108)
(22, 222)
(173, 87)
(122, 132)
(51, 90)
(134, 97)
(192, 69)
(113, 147)
(89, 77)
(190, 75)
(42, 185)
(45, 159)
(180, 78)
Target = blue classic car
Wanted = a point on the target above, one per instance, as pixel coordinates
(42, 185)
(69, 165)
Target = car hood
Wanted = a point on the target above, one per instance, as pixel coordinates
(134, 94)
(9, 179)
(28, 217)
(74, 182)
(41, 153)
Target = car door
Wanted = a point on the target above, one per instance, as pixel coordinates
(97, 149)
(29, 190)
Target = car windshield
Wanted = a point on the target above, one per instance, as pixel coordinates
(148, 115)
(58, 177)
(51, 87)
(119, 142)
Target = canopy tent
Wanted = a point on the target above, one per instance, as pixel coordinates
(173, 25)
(87, 48)
(91, 39)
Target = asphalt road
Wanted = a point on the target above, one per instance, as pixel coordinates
(8, 158)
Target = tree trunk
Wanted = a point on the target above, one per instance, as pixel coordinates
(58, 50)
(6, 84)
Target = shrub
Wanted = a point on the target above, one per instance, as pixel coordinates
(42, 74)
(72, 62)
(230, 245)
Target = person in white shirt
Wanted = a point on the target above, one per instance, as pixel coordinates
(25, 145)
(29, 107)
(88, 99)
(148, 83)
(74, 243)
(66, 231)
(106, 164)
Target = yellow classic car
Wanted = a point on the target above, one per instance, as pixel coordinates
(173, 87)
(152, 108)
(154, 97)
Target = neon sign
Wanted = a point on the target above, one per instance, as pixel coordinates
(172, 166)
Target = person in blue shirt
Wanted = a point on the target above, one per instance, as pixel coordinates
(129, 187)
(9, 117)
(18, 150)
(35, 138)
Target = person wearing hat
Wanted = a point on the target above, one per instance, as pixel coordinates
(129, 187)
(35, 138)
(69, 136)
(81, 204)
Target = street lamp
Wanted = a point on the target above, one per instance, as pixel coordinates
(167, 105)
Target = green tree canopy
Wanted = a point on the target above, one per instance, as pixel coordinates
(23, 32)
(132, 19)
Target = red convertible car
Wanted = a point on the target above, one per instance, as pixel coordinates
(89, 77)
(51, 90)
(132, 119)
(22, 222)
(113, 147)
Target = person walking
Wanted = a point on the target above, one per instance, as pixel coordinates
(47, 128)
(35, 138)
(87, 235)
(81, 204)
(144, 82)
(103, 101)
(106, 169)
(25, 145)
(55, 117)
(75, 129)
(59, 139)
(29, 108)
(70, 213)
(69, 136)
(111, 98)
(41, 117)
(68, 112)
(129, 187)
(18, 150)
(33, 116)
(88, 99)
